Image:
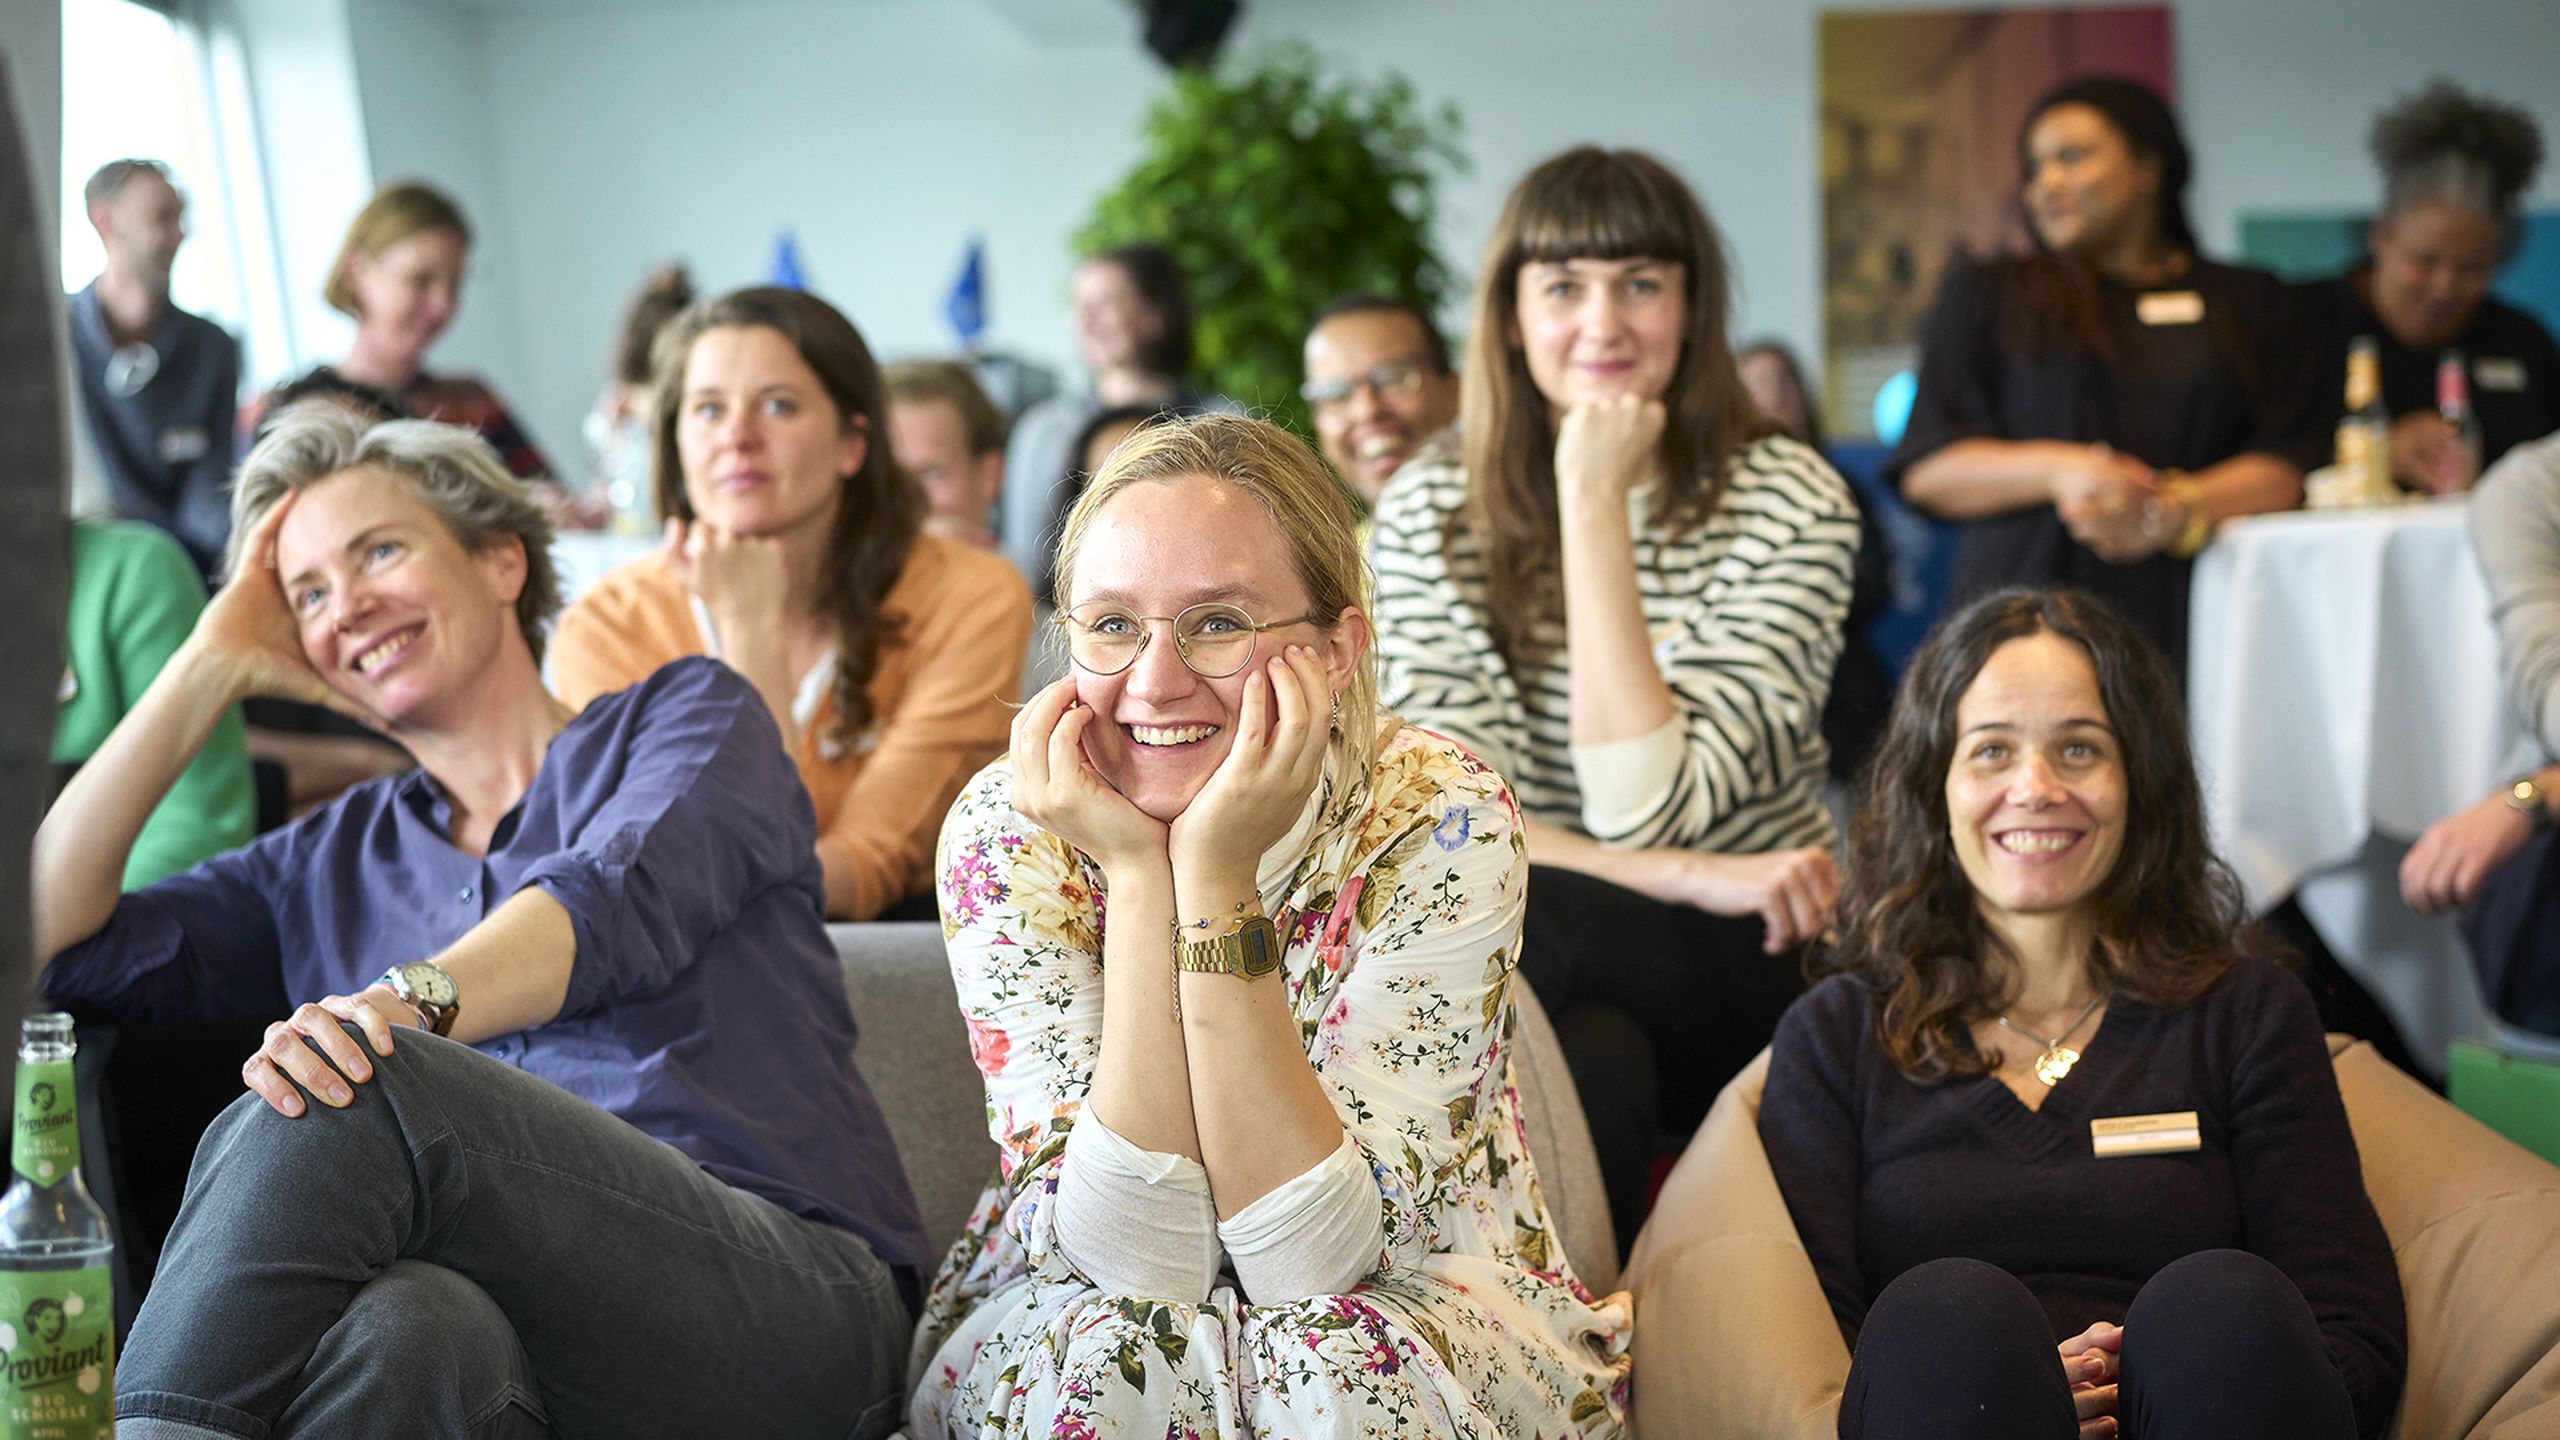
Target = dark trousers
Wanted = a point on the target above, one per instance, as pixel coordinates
(467, 1250)
(1657, 1006)
(2218, 1346)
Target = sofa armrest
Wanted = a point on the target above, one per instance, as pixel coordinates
(2474, 1224)
(1732, 1335)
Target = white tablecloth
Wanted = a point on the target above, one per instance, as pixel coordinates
(2346, 692)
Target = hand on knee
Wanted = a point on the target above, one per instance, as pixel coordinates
(316, 1049)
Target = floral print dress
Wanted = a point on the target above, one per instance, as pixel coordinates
(1401, 923)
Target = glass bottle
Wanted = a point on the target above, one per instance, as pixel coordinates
(57, 1303)
(2364, 433)
(2453, 404)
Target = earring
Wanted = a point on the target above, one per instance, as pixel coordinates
(1336, 723)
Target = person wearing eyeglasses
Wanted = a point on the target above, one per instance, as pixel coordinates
(158, 383)
(1620, 588)
(1379, 384)
(1235, 949)
(795, 554)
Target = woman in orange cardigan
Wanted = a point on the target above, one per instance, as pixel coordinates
(794, 553)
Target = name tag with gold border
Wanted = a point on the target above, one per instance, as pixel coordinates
(2164, 1134)
(2498, 372)
(2169, 307)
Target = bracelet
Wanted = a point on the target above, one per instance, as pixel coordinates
(1234, 923)
(2198, 529)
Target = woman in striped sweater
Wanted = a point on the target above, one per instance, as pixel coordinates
(1625, 594)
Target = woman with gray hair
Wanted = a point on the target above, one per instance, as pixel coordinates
(2453, 166)
(403, 1233)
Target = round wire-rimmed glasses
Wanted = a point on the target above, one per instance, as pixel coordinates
(1214, 639)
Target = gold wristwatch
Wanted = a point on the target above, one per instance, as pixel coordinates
(2524, 796)
(1251, 950)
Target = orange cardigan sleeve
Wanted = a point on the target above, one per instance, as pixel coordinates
(968, 624)
(634, 620)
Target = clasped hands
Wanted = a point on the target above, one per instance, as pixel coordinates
(2089, 1361)
(2113, 504)
(1280, 732)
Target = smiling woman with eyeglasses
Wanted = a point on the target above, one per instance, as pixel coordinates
(1261, 1168)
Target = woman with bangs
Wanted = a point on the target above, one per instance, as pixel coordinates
(1622, 591)
(795, 554)
(2066, 1160)
(1235, 951)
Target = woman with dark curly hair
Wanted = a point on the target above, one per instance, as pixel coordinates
(2040, 1049)
(2453, 165)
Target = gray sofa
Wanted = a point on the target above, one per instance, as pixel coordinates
(914, 1053)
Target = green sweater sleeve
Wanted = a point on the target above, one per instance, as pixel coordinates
(134, 598)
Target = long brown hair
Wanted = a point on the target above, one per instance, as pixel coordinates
(2058, 291)
(1588, 204)
(882, 509)
(2168, 915)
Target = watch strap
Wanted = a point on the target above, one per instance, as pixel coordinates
(2526, 797)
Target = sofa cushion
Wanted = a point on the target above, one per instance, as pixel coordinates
(913, 1050)
(2474, 1221)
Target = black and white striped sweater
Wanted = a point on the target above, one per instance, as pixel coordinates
(1745, 615)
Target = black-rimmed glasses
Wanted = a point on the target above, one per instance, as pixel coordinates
(1396, 377)
(1216, 640)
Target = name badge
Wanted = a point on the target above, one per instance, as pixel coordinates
(183, 444)
(2498, 372)
(2169, 307)
(2162, 1134)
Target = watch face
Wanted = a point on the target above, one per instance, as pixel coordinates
(428, 983)
(1261, 943)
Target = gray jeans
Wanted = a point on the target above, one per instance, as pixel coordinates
(469, 1251)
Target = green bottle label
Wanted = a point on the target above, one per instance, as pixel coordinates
(47, 1144)
(57, 1354)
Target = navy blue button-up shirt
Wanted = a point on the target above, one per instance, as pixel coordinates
(706, 1006)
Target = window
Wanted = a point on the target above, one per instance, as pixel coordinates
(133, 86)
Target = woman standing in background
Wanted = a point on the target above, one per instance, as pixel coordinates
(2091, 411)
(2453, 165)
(399, 273)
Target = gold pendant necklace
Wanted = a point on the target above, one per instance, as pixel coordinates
(2058, 1058)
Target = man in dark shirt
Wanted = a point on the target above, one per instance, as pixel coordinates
(160, 385)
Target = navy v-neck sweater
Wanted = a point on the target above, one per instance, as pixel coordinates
(1883, 1173)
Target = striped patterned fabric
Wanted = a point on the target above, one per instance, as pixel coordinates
(1745, 616)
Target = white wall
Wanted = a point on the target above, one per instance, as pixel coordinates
(593, 141)
(300, 66)
(422, 86)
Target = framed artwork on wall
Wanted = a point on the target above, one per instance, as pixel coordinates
(1919, 117)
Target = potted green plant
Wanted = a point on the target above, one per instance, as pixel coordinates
(1278, 189)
